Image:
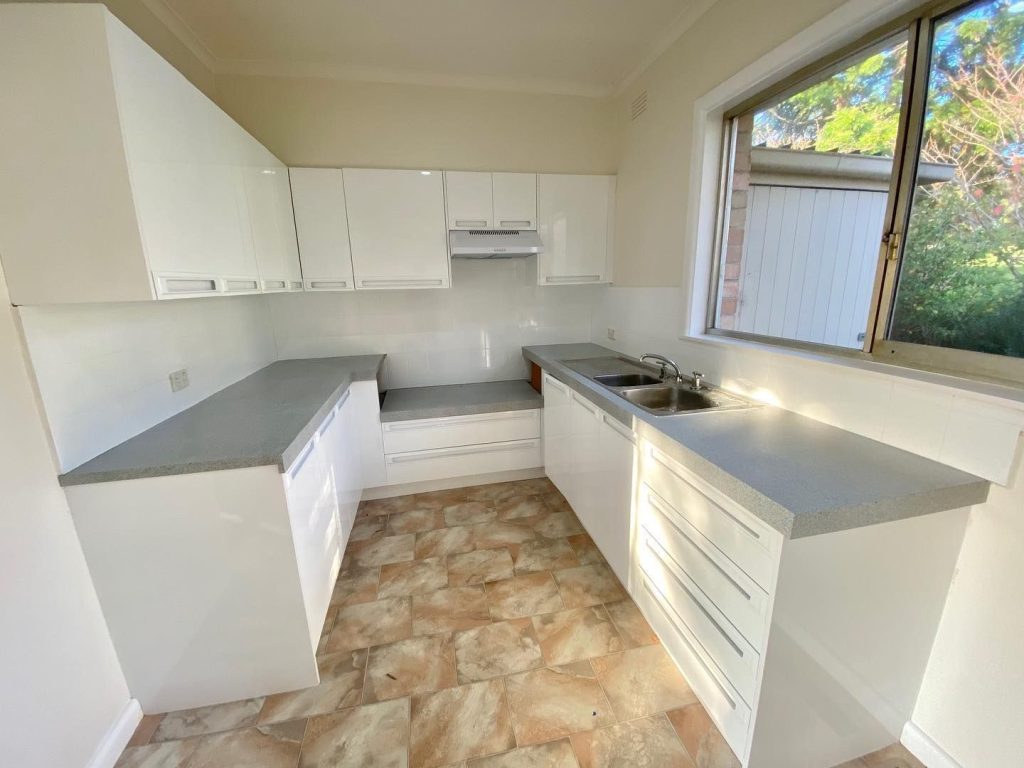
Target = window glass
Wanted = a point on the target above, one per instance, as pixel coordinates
(806, 203)
(961, 281)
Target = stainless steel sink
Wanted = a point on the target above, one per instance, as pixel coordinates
(668, 398)
(626, 379)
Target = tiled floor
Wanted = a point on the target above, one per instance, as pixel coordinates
(474, 628)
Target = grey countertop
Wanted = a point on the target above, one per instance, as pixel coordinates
(800, 476)
(264, 419)
(459, 400)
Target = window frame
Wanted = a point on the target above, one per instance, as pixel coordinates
(918, 26)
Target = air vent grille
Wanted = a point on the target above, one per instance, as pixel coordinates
(501, 232)
(639, 105)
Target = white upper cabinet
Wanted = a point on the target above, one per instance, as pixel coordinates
(575, 215)
(318, 197)
(481, 200)
(270, 213)
(515, 200)
(470, 203)
(396, 224)
(120, 180)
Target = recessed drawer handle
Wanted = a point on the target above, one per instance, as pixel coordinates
(481, 223)
(617, 427)
(586, 405)
(274, 285)
(233, 286)
(668, 468)
(328, 421)
(293, 470)
(693, 597)
(573, 279)
(326, 285)
(467, 451)
(662, 602)
(342, 400)
(516, 223)
(655, 502)
(398, 426)
(555, 383)
(400, 283)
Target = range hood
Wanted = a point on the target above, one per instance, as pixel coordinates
(493, 243)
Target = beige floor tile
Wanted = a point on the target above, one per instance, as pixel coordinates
(551, 703)
(366, 624)
(588, 585)
(265, 746)
(332, 614)
(527, 595)
(499, 534)
(396, 504)
(203, 720)
(646, 743)
(366, 528)
(355, 585)
(144, 730)
(341, 685)
(558, 525)
(479, 566)
(577, 633)
(642, 682)
(857, 763)
(371, 736)
(538, 485)
(444, 541)
(413, 577)
(387, 549)
(545, 555)
(586, 550)
(469, 512)
(494, 492)
(414, 665)
(449, 610)
(893, 756)
(415, 521)
(447, 497)
(518, 507)
(167, 754)
(705, 745)
(496, 650)
(631, 623)
(460, 723)
(556, 502)
(554, 754)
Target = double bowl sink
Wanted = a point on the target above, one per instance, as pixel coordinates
(631, 381)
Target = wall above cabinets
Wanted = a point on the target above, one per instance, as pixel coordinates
(120, 180)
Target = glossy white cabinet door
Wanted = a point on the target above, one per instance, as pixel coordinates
(557, 426)
(321, 224)
(270, 214)
(468, 197)
(613, 521)
(586, 484)
(515, 200)
(396, 223)
(574, 220)
(366, 403)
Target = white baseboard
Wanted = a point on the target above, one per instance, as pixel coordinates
(116, 738)
(920, 745)
(404, 489)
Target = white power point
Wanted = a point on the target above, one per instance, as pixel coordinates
(179, 379)
(611, 334)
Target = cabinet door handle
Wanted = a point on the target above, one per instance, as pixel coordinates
(343, 399)
(589, 407)
(296, 466)
(467, 451)
(232, 285)
(326, 285)
(556, 383)
(399, 283)
(516, 223)
(573, 279)
(402, 426)
(617, 427)
(274, 285)
(476, 223)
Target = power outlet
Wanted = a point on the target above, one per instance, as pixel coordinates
(179, 379)
(611, 334)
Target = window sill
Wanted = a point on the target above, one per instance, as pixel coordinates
(986, 389)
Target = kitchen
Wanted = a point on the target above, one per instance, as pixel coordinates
(392, 397)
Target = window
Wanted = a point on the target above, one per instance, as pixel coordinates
(877, 205)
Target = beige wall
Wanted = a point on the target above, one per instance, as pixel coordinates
(653, 160)
(322, 122)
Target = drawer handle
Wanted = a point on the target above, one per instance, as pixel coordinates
(555, 383)
(693, 597)
(293, 470)
(516, 223)
(592, 409)
(655, 501)
(328, 421)
(617, 427)
(343, 400)
(661, 601)
(467, 451)
(573, 279)
(656, 455)
(398, 426)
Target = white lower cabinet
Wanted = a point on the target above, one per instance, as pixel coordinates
(557, 431)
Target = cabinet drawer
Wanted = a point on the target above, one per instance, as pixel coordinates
(424, 434)
(465, 460)
(750, 543)
(719, 697)
(727, 648)
(732, 591)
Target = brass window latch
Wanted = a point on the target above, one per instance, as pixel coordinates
(892, 246)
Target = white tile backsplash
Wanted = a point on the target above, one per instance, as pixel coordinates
(102, 369)
(473, 331)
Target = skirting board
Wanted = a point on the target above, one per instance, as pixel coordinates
(117, 736)
(920, 745)
(404, 489)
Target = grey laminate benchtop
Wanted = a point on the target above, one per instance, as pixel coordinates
(459, 400)
(264, 419)
(800, 476)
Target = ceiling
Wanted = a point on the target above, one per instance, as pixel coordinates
(583, 47)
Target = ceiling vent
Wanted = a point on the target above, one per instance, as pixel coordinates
(639, 105)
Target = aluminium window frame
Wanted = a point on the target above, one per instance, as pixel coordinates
(918, 26)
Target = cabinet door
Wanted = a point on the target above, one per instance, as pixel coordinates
(613, 521)
(469, 200)
(396, 225)
(557, 429)
(585, 486)
(574, 220)
(515, 200)
(270, 216)
(366, 404)
(318, 197)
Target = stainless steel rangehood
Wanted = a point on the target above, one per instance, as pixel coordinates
(493, 243)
